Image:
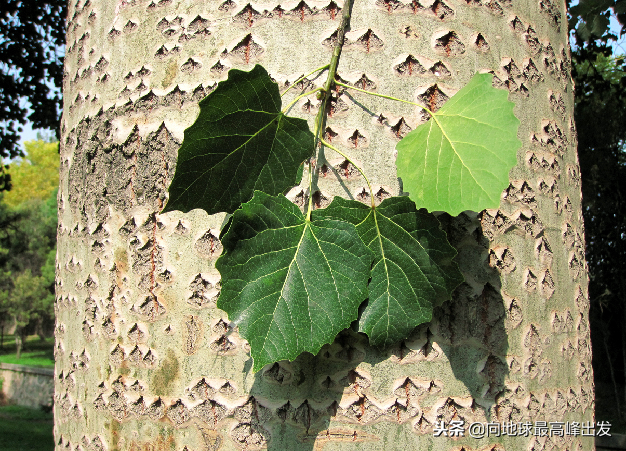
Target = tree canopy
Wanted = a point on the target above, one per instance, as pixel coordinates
(36, 175)
(27, 262)
(601, 122)
(600, 117)
(31, 70)
(591, 18)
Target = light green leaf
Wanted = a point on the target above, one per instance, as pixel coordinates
(460, 159)
(240, 142)
(290, 284)
(412, 271)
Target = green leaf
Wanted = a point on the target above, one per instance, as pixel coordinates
(299, 174)
(600, 24)
(240, 142)
(412, 271)
(290, 284)
(460, 159)
(584, 31)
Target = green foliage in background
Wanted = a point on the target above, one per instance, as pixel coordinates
(32, 40)
(35, 176)
(591, 18)
(28, 223)
(600, 114)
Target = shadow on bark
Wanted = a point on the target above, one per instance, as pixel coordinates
(295, 401)
(470, 328)
(300, 397)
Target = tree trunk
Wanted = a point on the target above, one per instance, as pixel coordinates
(19, 341)
(145, 357)
(39, 328)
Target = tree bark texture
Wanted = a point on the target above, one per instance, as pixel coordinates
(145, 360)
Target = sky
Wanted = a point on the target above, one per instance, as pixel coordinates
(619, 48)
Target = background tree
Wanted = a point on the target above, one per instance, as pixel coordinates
(29, 300)
(31, 208)
(8, 226)
(6, 320)
(590, 19)
(35, 174)
(28, 264)
(149, 359)
(28, 219)
(31, 35)
(600, 79)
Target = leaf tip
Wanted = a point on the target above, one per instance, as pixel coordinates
(166, 209)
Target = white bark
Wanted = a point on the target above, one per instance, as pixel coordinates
(143, 354)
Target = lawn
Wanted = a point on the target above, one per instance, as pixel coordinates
(34, 353)
(25, 429)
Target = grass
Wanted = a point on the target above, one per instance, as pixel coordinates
(34, 353)
(25, 429)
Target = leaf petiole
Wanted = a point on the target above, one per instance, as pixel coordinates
(294, 101)
(384, 96)
(369, 185)
(319, 69)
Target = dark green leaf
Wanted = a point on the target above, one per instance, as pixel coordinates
(599, 24)
(460, 159)
(290, 284)
(240, 142)
(413, 269)
(583, 30)
(299, 174)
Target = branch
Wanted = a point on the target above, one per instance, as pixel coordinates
(320, 121)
